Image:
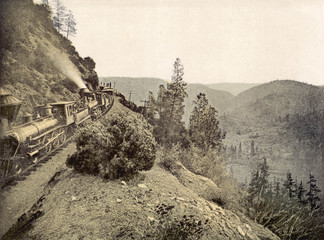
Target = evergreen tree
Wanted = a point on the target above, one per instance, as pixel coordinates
(277, 189)
(259, 184)
(204, 129)
(301, 193)
(59, 15)
(254, 186)
(289, 186)
(264, 174)
(312, 194)
(168, 125)
(70, 25)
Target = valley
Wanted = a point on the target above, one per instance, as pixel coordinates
(260, 114)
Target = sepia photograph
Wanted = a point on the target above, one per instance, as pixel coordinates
(162, 119)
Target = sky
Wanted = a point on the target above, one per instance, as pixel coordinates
(218, 41)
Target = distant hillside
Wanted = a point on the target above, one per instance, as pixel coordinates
(219, 99)
(276, 99)
(233, 88)
(38, 65)
(140, 88)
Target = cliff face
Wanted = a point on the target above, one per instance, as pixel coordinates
(38, 65)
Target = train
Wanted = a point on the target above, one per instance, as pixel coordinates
(48, 128)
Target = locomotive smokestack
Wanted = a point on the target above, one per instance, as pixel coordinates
(84, 92)
(81, 92)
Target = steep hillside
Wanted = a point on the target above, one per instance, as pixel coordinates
(233, 88)
(140, 88)
(38, 65)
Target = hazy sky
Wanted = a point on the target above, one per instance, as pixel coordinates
(217, 41)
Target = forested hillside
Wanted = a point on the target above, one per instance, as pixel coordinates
(38, 65)
(277, 99)
(281, 121)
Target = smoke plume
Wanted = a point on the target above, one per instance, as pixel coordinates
(63, 64)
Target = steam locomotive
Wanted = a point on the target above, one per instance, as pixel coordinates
(38, 135)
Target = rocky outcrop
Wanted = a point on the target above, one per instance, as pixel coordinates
(201, 185)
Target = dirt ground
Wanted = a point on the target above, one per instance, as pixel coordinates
(17, 199)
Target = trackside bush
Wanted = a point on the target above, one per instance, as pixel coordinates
(118, 146)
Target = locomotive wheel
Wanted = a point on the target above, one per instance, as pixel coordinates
(48, 147)
(56, 141)
(62, 137)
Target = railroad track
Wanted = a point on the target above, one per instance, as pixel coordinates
(12, 180)
(26, 188)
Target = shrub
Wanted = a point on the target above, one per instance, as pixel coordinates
(118, 146)
(171, 227)
(169, 156)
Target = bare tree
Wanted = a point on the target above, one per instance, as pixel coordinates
(70, 25)
(59, 15)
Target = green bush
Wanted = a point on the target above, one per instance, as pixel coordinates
(118, 146)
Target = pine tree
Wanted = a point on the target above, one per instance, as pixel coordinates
(168, 125)
(254, 186)
(301, 194)
(204, 129)
(59, 15)
(70, 25)
(312, 194)
(289, 186)
(259, 184)
(264, 174)
(277, 189)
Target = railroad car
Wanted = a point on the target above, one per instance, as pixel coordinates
(39, 134)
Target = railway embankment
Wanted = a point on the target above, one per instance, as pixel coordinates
(21, 196)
